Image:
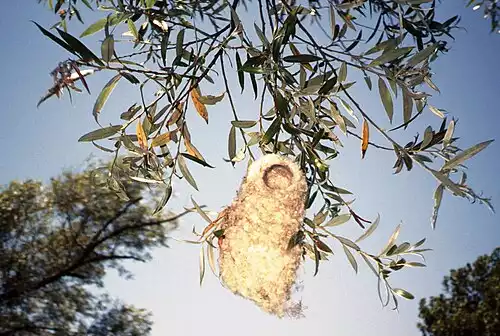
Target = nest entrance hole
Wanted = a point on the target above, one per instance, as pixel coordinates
(278, 176)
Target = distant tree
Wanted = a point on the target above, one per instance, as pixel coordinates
(307, 64)
(58, 241)
(470, 305)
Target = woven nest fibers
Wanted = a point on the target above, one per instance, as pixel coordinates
(255, 261)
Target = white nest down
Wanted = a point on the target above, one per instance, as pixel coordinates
(254, 258)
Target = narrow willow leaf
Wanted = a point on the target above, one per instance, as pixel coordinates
(302, 58)
(436, 111)
(162, 139)
(180, 43)
(241, 75)
(452, 186)
(317, 257)
(386, 98)
(368, 81)
(99, 25)
(370, 265)
(348, 242)
(392, 239)
(351, 259)
(104, 95)
(364, 138)
(108, 48)
(142, 138)
(200, 211)
(465, 155)
(348, 108)
(449, 133)
(164, 199)
(55, 39)
(211, 100)
(244, 123)
(79, 47)
(211, 258)
(403, 293)
(199, 106)
(146, 180)
(185, 172)
(231, 144)
(202, 264)
(133, 29)
(407, 106)
(271, 131)
(100, 133)
(370, 230)
(342, 73)
(422, 55)
(355, 43)
(390, 56)
(197, 160)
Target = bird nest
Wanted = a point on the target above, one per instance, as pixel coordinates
(256, 259)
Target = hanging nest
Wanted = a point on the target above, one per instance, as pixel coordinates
(256, 259)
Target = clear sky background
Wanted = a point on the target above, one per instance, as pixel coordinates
(38, 143)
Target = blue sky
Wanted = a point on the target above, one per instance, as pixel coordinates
(38, 143)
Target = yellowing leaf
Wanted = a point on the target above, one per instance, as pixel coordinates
(191, 149)
(161, 139)
(198, 105)
(141, 136)
(364, 139)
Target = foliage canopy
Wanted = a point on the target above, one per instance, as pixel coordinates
(470, 303)
(58, 241)
(304, 62)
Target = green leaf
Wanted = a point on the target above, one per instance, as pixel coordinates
(390, 55)
(55, 39)
(351, 258)
(201, 212)
(211, 100)
(407, 106)
(403, 293)
(370, 230)
(370, 265)
(185, 172)
(108, 48)
(150, 3)
(197, 160)
(100, 133)
(146, 180)
(79, 47)
(231, 144)
(164, 199)
(436, 111)
(271, 131)
(355, 43)
(99, 25)
(422, 55)
(303, 58)
(133, 29)
(368, 81)
(386, 98)
(392, 239)
(338, 220)
(342, 72)
(243, 123)
(180, 42)
(465, 155)
(452, 186)
(202, 264)
(261, 36)
(241, 75)
(449, 133)
(104, 95)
